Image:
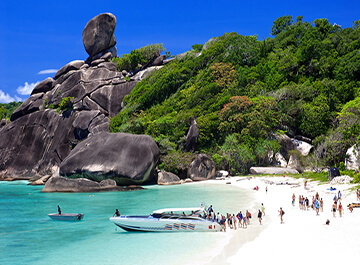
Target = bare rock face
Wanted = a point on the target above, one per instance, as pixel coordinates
(201, 168)
(352, 161)
(192, 136)
(33, 143)
(3, 122)
(123, 157)
(40, 136)
(98, 34)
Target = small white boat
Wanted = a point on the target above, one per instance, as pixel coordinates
(66, 216)
(168, 220)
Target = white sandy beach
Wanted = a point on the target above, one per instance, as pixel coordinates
(303, 238)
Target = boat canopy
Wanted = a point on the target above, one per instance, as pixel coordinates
(179, 210)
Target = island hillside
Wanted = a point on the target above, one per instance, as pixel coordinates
(234, 103)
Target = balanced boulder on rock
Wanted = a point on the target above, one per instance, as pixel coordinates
(123, 157)
(98, 34)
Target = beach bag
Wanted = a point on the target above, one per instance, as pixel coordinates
(283, 212)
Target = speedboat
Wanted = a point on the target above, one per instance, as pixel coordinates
(168, 220)
(66, 216)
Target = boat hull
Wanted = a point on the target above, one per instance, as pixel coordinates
(66, 216)
(151, 224)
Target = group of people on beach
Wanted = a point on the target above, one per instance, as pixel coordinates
(234, 221)
(317, 203)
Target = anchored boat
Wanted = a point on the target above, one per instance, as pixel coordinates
(66, 216)
(168, 220)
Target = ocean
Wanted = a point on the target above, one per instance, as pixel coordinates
(29, 236)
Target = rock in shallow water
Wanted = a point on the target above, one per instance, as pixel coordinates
(61, 184)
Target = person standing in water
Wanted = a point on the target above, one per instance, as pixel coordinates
(59, 210)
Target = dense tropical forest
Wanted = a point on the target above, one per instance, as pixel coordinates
(243, 92)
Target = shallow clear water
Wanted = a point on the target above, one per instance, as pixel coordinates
(29, 236)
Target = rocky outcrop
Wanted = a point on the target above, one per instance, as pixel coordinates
(125, 158)
(43, 86)
(192, 136)
(272, 170)
(61, 184)
(280, 160)
(33, 143)
(352, 160)
(40, 181)
(42, 134)
(201, 168)
(167, 178)
(3, 122)
(303, 147)
(98, 34)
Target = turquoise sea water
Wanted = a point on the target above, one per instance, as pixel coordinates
(29, 236)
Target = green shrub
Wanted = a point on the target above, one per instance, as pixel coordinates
(341, 166)
(356, 178)
(130, 62)
(65, 104)
(177, 162)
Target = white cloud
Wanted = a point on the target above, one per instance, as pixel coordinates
(47, 71)
(27, 88)
(6, 98)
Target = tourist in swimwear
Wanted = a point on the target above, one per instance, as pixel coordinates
(281, 214)
(248, 216)
(240, 218)
(259, 216)
(321, 205)
(263, 209)
(317, 206)
(244, 222)
(340, 209)
(293, 199)
(307, 203)
(334, 206)
(234, 221)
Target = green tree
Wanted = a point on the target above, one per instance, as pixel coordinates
(281, 24)
(2, 113)
(315, 119)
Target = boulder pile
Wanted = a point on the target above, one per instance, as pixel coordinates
(343, 179)
(62, 113)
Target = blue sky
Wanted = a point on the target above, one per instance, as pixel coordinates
(39, 37)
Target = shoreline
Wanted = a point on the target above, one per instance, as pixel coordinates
(303, 235)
